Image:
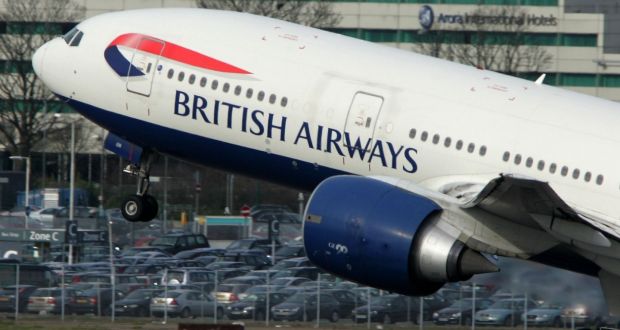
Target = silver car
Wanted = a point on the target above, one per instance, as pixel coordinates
(49, 300)
(184, 303)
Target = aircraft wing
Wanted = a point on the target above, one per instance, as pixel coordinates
(528, 201)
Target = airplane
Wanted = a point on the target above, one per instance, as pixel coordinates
(419, 168)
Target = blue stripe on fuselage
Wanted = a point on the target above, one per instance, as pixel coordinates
(226, 156)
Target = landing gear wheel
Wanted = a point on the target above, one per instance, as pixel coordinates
(151, 208)
(133, 208)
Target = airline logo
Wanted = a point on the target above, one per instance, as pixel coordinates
(119, 52)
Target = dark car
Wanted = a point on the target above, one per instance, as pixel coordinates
(257, 259)
(7, 297)
(347, 301)
(253, 243)
(311, 273)
(200, 252)
(175, 243)
(303, 307)
(460, 311)
(253, 306)
(137, 303)
(290, 251)
(389, 309)
(95, 300)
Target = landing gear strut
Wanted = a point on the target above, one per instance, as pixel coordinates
(141, 206)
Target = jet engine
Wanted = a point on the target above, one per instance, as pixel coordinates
(380, 235)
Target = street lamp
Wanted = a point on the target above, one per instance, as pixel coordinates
(27, 199)
(71, 181)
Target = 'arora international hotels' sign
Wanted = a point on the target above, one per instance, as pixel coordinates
(427, 17)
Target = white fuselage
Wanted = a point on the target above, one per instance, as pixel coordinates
(336, 87)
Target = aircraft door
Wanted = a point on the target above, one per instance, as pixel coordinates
(144, 60)
(362, 117)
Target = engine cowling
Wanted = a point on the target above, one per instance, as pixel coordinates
(374, 233)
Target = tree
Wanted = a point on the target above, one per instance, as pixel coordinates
(26, 105)
(311, 13)
(493, 38)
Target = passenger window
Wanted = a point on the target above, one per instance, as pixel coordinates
(435, 138)
(459, 145)
(283, 101)
(412, 133)
(517, 159)
(191, 240)
(214, 84)
(529, 161)
(181, 76)
(272, 98)
(541, 165)
(587, 177)
(599, 180)
(249, 93)
(552, 168)
(170, 73)
(424, 136)
(482, 151)
(506, 156)
(564, 171)
(576, 174)
(261, 95)
(471, 147)
(192, 79)
(237, 90)
(203, 82)
(226, 87)
(182, 242)
(447, 142)
(200, 240)
(148, 67)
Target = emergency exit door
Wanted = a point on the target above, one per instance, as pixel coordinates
(362, 117)
(144, 59)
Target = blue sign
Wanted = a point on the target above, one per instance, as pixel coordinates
(426, 17)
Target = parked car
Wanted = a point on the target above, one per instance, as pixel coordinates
(175, 243)
(94, 301)
(200, 252)
(290, 251)
(257, 259)
(224, 264)
(8, 294)
(346, 300)
(281, 282)
(303, 307)
(229, 293)
(544, 315)
(187, 276)
(582, 314)
(184, 303)
(388, 309)
(290, 263)
(136, 303)
(506, 312)
(311, 273)
(245, 279)
(49, 300)
(45, 216)
(253, 306)
(460, 311)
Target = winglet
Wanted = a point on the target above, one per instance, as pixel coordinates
(540, 79)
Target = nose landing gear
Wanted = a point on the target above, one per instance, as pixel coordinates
(141, 206)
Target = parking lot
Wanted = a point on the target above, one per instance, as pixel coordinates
(182, 276)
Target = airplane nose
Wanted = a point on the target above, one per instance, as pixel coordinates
(37, 60)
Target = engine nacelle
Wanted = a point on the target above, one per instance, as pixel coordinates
(374, 233)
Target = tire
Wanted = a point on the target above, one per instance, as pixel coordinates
(387, 319)
(508, 321)
(133, 208)
(151, 208)
(259, 316)
(334, 317)
(220, 314)
(186, 313)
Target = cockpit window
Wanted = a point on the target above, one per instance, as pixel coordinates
(76, 40)
(69, 35)
(73, 37)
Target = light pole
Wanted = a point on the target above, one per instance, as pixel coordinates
(71, 182)
(27, 197)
